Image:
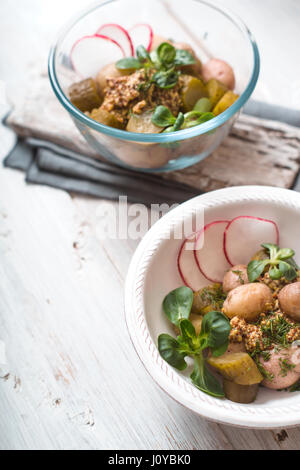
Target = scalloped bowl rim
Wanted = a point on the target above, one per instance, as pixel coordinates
(168, 379)
(156, 138)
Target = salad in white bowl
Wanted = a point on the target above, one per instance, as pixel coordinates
(215, 318)
(244, 324)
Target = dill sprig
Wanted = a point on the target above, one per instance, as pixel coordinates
(285, 366)
(275, 329)
(213, 296)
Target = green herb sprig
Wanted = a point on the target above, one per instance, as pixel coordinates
(214, 334)
(165, 62)
(162, 117)
(280, 263)
(285, 366)
(295, 387)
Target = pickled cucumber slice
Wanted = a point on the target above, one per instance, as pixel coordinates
(203, 105)
(238, 367)
(192, 90)
(107, 118)
(215, 91)
(225, 102)
(84, 95)
(239, 393)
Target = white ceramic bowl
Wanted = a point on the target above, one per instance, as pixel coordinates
(153, 273)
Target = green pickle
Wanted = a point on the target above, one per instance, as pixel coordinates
(192, 90)
(203, 105)
(225, 102)
(84, 95)
(105, 117)
(238, 367)
(215, 90)
(240, 393)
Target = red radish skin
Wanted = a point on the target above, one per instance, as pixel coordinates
(148, 31)
(119, 34)
(249, 244)
(187, 266)
(213, 255)
(87, 71)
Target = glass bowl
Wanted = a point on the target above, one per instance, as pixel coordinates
(209, 29)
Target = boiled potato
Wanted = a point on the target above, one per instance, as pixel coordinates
(225, 102)
(84, 95)
(157, 41)
(192, 90)
(194, 69)
(259, 255)
(142, 123)
(235, 277)
(104, 117)
(219, 69)
(289, 300)
(248, 301)
(238, 367)
(215, 91)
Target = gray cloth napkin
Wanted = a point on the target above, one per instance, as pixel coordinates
(46, 163)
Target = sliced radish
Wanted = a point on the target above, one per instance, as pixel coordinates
(118, 34)
(209, 253)
(90, 53)
(142, 35)
(187, 266)
(244, 235)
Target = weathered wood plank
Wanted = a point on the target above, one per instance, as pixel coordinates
(256, 152)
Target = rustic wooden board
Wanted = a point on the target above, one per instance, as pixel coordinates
(256, 152)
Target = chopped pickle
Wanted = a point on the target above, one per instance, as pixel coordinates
(104, 117)
(192, 90)
(215, 91)
(239, 393)
(225, 102)
(84, 95)
(203, 105)
(142, 123)
(238, 367)
(207, 299)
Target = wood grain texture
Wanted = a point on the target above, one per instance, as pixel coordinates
(256, 152)
(71, 379)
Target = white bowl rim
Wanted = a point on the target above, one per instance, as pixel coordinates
(225, 412)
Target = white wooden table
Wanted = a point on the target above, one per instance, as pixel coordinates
(71, 379)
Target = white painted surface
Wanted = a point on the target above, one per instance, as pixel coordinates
(71, 378)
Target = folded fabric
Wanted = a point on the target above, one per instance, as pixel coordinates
(275, 113)
(46, 163)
